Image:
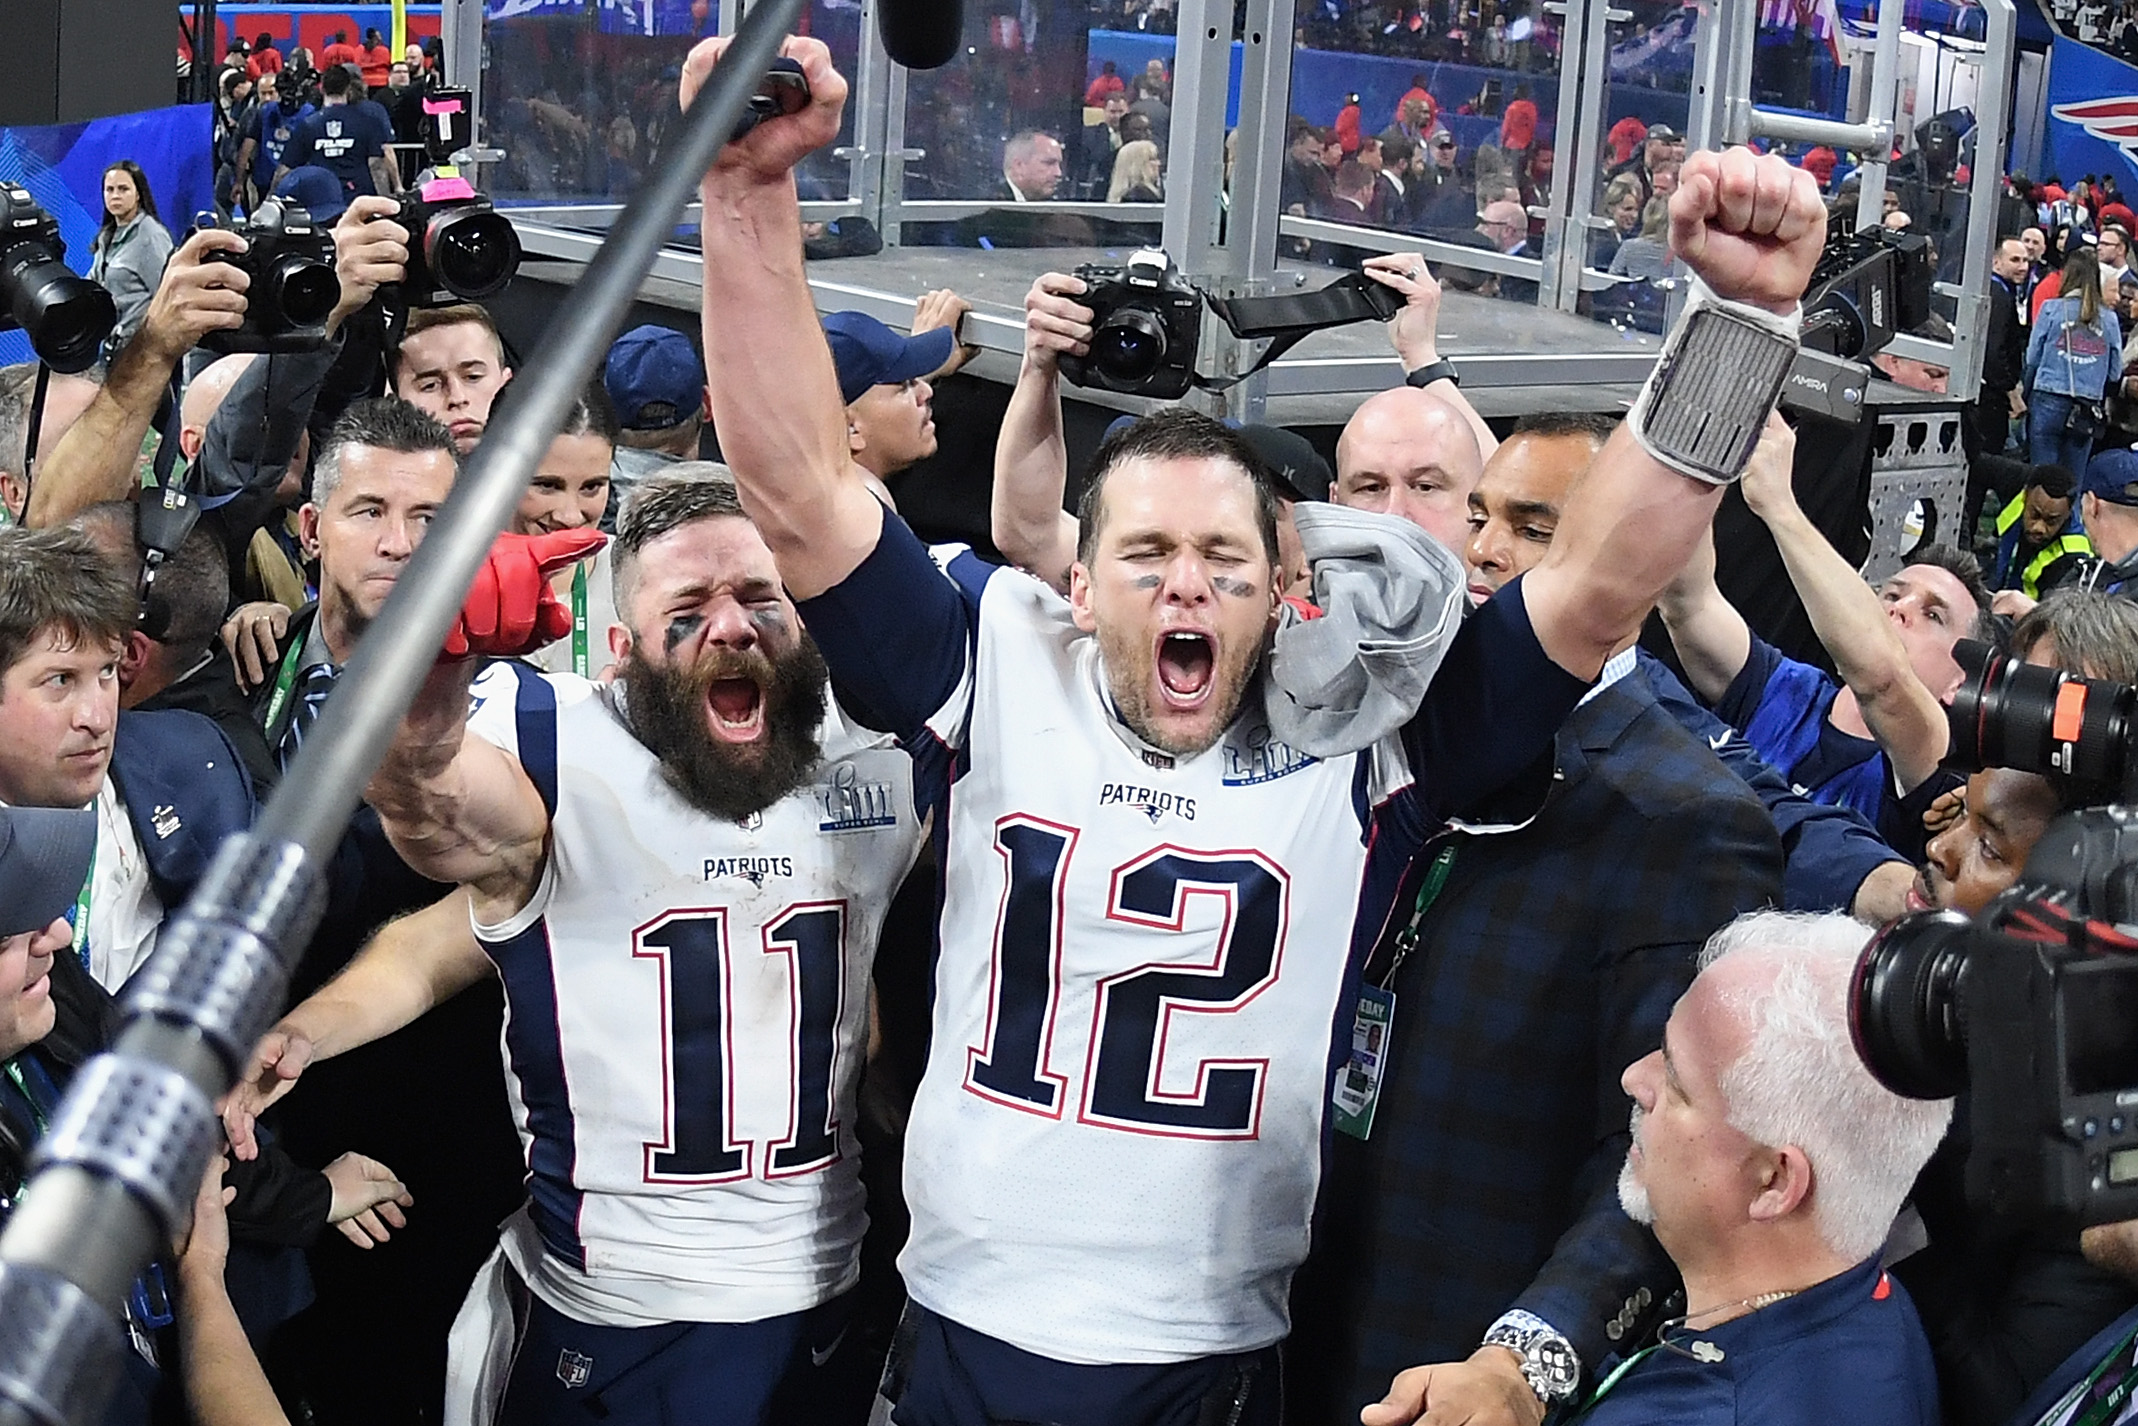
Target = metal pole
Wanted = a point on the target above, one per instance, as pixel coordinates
(118, 1169)
(1885, 96)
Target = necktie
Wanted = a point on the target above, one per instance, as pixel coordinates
(312, 691)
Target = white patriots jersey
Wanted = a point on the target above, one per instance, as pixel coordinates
(1116, 1147)
(687, 1015)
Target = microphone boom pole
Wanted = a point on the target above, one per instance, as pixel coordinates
(114, 1178)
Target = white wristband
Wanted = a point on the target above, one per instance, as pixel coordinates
(1702, 409)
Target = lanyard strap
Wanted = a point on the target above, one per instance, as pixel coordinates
(285, 680)
(2099, 1413)
(580, 664)
(1608, 1382)
(1429, 889)
(37, 1111)
(81, 920)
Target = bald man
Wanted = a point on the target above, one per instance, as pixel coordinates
(1411, 454)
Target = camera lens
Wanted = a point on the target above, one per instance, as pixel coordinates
(65, 317)
(1128, 346)
(472, 254)
(2017, 715)
(1906, 1013)
(305, 290)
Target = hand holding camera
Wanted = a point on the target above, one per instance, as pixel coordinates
(290, 287)
(1056, 324)
(203, 292)
(370, 252)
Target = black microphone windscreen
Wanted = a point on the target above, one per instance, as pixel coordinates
(921, 34)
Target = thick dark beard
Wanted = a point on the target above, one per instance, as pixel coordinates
(666, 709)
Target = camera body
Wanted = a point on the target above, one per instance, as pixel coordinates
(67, 317)
(460, 248)
(1867, 286)
(2033, 1006)
(294, 287)
(1146, 322)
(2035, 1011)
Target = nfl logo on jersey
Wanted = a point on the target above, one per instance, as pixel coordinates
(573, 1369)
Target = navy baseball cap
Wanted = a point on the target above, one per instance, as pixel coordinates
(45, 855)
(2113, 476)
(868, 353)
(654, 379)
(316, 190)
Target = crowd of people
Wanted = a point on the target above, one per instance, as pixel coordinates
(1277, 946)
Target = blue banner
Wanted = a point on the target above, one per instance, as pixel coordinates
(2093, 115)
(63, 167)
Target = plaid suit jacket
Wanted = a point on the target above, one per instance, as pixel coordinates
(1548, 963)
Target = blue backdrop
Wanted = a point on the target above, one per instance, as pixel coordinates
(63, 167)
(2090, 95)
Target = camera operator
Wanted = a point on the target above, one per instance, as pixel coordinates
(2004, 1300)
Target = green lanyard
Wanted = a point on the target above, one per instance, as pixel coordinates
(81, 919)
(1436, 880)
(14, 1073)
(1608, 1382)
(2104, 1411)
(285, 680)
(580, 664)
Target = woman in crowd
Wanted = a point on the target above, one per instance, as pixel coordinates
(131, 247)
(1622, 205)
(2074, 354)
(1646, 254)
(1136, 174)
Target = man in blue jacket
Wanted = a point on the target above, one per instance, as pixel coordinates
(167, 787)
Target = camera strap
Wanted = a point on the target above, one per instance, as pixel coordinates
(30, 436)
(1290, 318)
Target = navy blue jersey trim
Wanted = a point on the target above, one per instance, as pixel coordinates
(534, 710)
(534, 1041)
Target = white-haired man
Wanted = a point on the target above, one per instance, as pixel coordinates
(1770, 1165)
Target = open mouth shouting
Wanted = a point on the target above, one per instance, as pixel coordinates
(1186, 661)
(735, 710)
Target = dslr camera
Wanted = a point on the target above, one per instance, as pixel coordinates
(2033, 1007)
(1146, 321)
(460, 248)
(65, 316)
(294, 286)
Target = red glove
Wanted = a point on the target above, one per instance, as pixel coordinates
(510, 609)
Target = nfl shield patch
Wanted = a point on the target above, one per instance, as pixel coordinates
(573, 1369)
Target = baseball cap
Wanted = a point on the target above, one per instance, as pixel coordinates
(45, 854)
(1294, 463)
(1663, 134)
(654, 379)
(867, 353)
(2112, 475)
(1440, 137)
(316, 190)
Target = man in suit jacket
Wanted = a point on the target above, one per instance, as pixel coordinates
(2003, 354)
(429, 1100)
(1537, 951)
(167, 787)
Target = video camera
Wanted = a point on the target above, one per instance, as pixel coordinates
(65, 316)
(460, 247)
(2034, 1006)
(294, 287)
(1867, 286)
(1147, 323)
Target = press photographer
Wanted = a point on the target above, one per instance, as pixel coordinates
(2006, 1295)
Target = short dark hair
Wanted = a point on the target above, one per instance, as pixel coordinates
(2096, 635)
(385, 423)
(682, 494)
(1173, 433)
(1968, 570)
(335, 80)
(192, 588)
(1396, 150)
(2055, 481)
(1596, 425)
(59, 579)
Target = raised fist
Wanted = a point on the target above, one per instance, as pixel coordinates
(1751, 226)
(775, 146)
(510, 609)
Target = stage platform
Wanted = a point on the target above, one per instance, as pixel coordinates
(1514, 358)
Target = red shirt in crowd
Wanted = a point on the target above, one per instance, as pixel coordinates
(339, 54)
(376, 64)
(1105, 84)
(1518, 127)
(267, 60)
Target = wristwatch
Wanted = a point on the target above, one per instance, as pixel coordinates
(1442, 370)
(1550, 1364)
